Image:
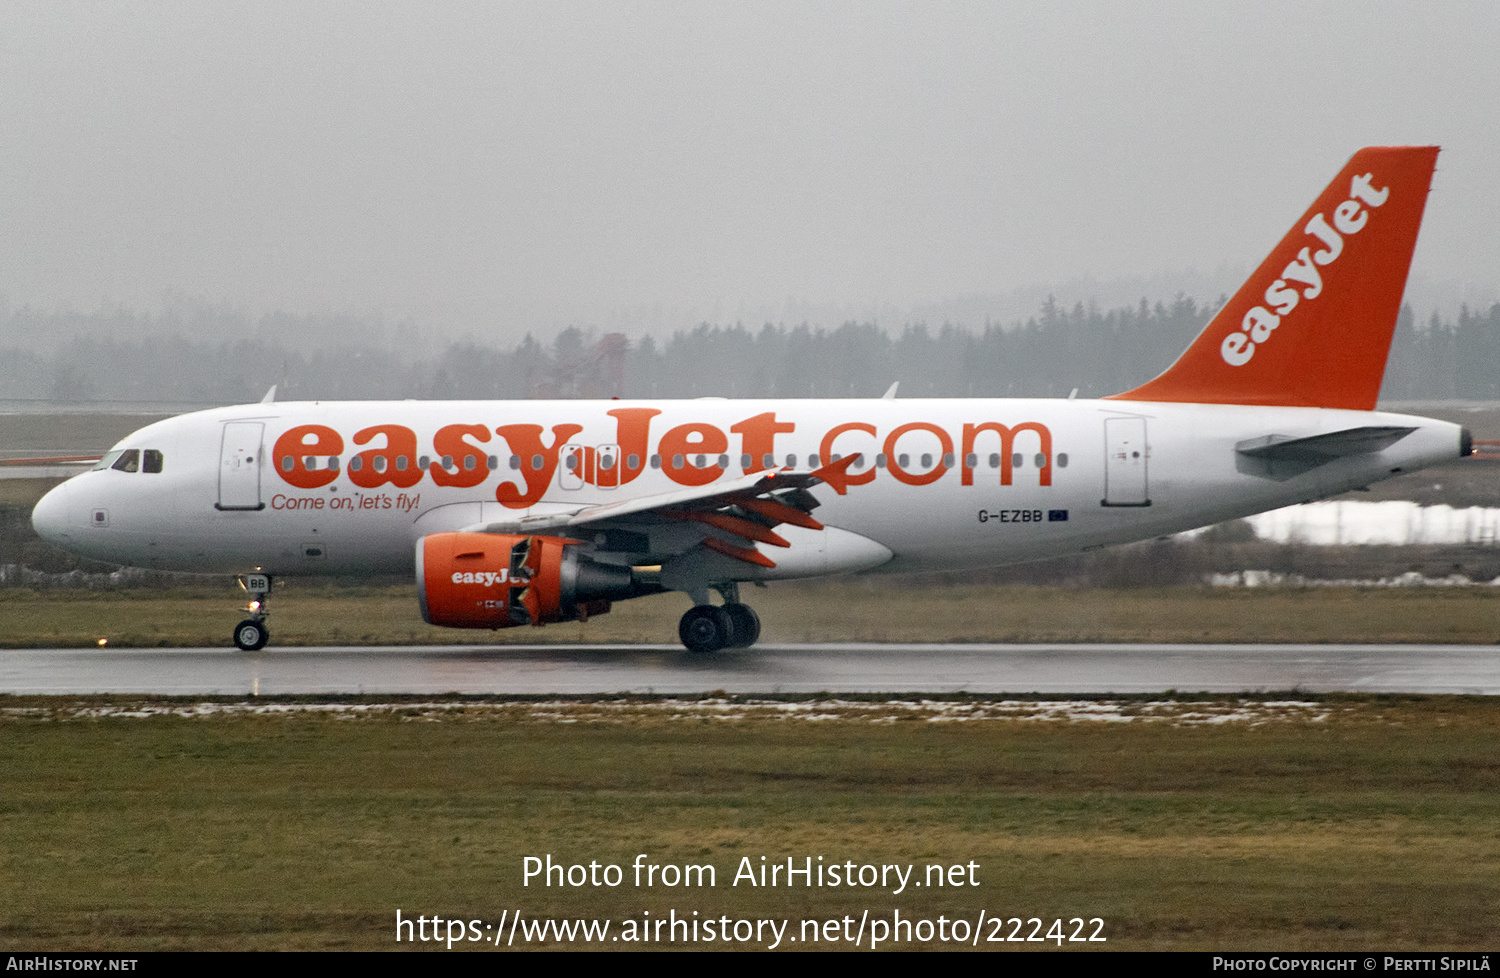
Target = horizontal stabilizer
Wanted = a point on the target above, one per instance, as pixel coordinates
(1322, 448)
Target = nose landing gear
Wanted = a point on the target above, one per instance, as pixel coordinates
(252, 634)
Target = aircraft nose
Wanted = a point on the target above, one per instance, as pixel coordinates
(50, 516)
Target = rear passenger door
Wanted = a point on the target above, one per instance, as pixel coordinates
(1125, 461)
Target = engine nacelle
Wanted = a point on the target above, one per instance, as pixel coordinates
(494, 580)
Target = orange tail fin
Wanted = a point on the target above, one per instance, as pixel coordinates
(1312, 327)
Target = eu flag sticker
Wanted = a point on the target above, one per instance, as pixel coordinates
(1057, 516)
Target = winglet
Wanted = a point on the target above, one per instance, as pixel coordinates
(1312, 327)
(836, 474)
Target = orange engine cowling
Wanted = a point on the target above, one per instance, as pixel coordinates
(494, 580)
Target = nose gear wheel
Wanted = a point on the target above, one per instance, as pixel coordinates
(251, 635)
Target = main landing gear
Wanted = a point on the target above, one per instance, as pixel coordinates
(708, 628)
(252, 634)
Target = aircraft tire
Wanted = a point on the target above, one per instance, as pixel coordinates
(251, 635)
(706, 628)
(746, 625)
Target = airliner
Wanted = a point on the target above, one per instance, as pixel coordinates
(519, 513)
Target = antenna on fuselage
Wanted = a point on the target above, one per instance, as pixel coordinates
(890, 395)
(270, 397)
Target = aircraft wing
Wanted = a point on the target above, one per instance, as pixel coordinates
(748, 508)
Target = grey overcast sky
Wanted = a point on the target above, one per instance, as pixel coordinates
(525, 165)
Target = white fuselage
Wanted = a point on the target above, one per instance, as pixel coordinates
(1118, 471)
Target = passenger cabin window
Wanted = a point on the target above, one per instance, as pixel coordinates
(151, 462)
(129, 461)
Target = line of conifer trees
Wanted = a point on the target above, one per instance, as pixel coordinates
(218, 358)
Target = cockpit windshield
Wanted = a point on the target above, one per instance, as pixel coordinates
(131, 460)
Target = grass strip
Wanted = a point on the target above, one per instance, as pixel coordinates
(309, 613)
(1365, 822)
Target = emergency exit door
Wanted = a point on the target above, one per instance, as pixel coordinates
(580, 464)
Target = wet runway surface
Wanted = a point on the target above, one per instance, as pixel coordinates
(836, 668)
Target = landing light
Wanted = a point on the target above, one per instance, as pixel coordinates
(103, 642)
(255, 606)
